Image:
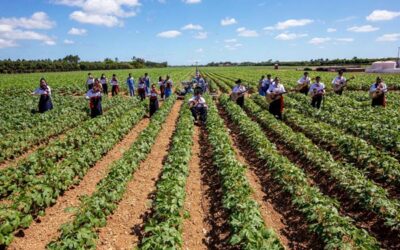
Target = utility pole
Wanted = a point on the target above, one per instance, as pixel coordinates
(197, 70)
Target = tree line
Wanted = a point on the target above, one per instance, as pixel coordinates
(73, 63)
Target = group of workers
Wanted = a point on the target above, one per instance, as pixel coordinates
(271, 88)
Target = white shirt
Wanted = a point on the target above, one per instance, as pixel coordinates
(141, 85)
(276, 89)
(169, 82)
(374, 88)
(160, 83)
(266, 82)
(304, 80)
(103, 81)
(40, 91)
(339, 80)
(201, 102)
(239, 89)
(90, 80)
(114, 82)
(91, 94)
(317, 87)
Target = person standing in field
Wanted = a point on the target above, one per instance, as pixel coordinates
(238, 93)
(275, 96)
(317, 91)
(202, 84)
(261, 91)
(161, 85)
(114, 85)
(303, 84)
(44, 92)
(94, 97)
(198, 107)
(131, 85)
(153, 100)
(142, 89)
(340, 82)
(378, 92)
(146, 79)
(104, 84)
(168, 87)
(90, 81)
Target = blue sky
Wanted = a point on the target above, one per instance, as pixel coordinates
(185, 31)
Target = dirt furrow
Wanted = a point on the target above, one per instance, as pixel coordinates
(125, 227)
(45, 229)
(194, 227)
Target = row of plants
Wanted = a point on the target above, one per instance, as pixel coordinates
(42, 191)
(248, 228)
(321, 212)
(14, 179)
(164, 229)
(345, 176)
(353, 149)
(81, 232)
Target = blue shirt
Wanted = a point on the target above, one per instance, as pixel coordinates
(131, 82)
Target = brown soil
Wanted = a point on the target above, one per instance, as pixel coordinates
(45, 229)
(194, 227)
(125, 227)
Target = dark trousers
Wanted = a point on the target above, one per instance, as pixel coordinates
(240, 101)
(379, 101)
(95, 107)
(304, 90)
(114, 90)
(200, 112)
(153, 106)
(105, 89)
(45, 103)
(90, 86)
(162, 91)
(316, 101)
(339, 92)
(142, 94)
(275, 108)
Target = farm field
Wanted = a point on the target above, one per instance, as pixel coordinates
(326, 179)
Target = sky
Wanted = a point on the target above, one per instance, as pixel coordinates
(183, 32)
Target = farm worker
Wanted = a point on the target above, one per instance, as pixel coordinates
(317, 91)
(90, 81)
(142, 89)
(131, 85)
(203, 84)
(198, 107)
(44, 91)
(261, 91)
(303, 84)
(266, 82)
(378, 92)
(275, 95)
(104, 85)
(339, 83)
(168, 87)
(238, 93)
(161, 85)
(147, 81)
(114, 85)
(153, 100)
(94, 97)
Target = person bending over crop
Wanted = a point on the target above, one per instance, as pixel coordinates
(238, 92)
(94, 97)
(142, 89)
(104, 85)
(114, 85)
(198, 107)
(378, 92)
(153, 100)
(303, 84)
(131, 85)
(275, 97)
(90, 81)
(317, 92)
(161, 84)
(44, 91)
(168, 87)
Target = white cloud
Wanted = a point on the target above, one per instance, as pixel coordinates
(228, 21)
(191, 26)
(233, 40)
(191, 1)
(330, 30)
(7, 43)
(289, 36)
(346, 39)
(201, 35)
(319, 40)
(102, 12)
(269, 28)
(77, 32)
(242, 31)
(346, 19)
(66, 41)
(200, 50)
(234, 46)
(289, 24)
(363, 29)
(39, 20)
(169, 34)
(382, 15)
(389, 37)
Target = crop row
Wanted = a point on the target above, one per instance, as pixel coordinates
(42, 191)
(321, 212)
